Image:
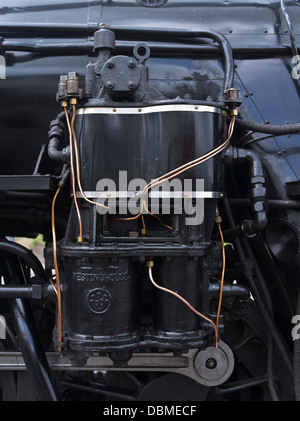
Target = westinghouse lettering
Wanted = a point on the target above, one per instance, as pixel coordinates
(100, 277)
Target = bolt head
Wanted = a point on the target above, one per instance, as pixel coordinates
(131, 63)
(109, 84)
(211, 363)
(131, 85)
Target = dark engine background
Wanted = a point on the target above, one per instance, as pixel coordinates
(43, 40)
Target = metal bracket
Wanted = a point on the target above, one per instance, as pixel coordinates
(193, 364)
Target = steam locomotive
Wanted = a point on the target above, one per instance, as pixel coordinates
(154, 145)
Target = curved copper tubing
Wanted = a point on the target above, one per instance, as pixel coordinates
(169, 291)
(57, 290)
(73, 135)
(72, 171)
(222, 277)
(193, 163)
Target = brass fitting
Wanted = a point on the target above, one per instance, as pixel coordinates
(218, 219)
(150, 263)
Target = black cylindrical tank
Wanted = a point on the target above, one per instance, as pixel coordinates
(173, 321)
(148, 142)
(100, 304)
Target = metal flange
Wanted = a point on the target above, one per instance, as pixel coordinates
(214, 365)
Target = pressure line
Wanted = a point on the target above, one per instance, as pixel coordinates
(73, 136)
(218, 221)
(173, 174)
(175, 294)
(215, 325)
(74, 154)
(57, 289)
(193, 163)
(180, 170)
(72, 172)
